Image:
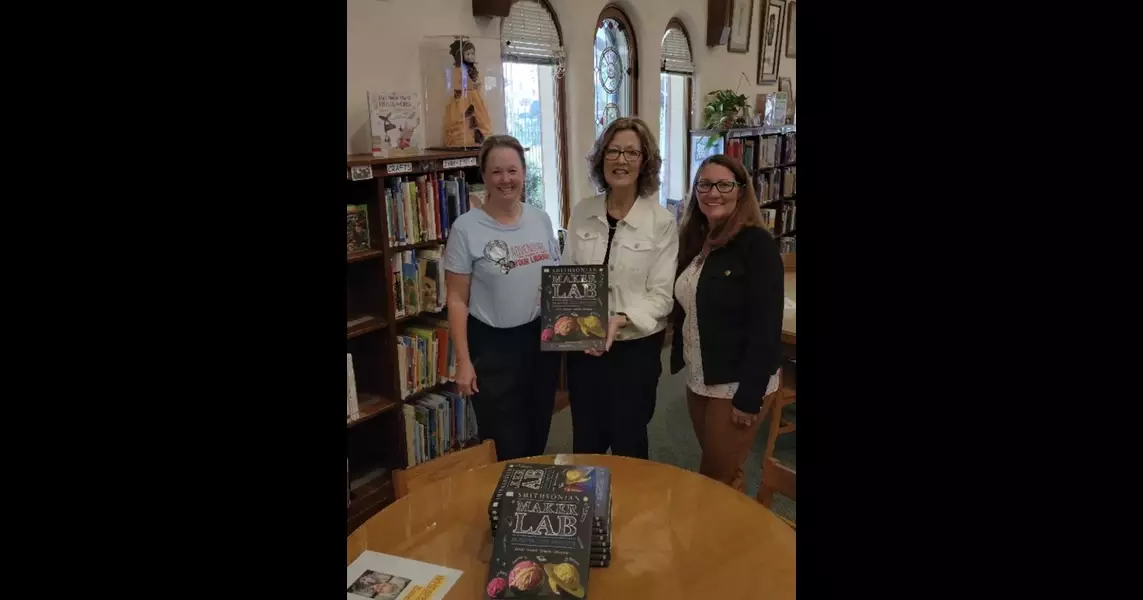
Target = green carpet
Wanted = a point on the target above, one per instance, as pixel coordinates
(673, 441)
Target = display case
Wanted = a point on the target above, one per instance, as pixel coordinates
(462, 91)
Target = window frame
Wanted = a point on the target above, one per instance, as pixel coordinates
(612, 11)
(676, 23)
(561, 123)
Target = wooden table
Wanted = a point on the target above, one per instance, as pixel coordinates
(790, 315)
(675, 534)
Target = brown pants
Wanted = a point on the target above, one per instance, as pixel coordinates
(724, 444)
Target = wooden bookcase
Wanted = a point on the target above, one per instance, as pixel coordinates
(375, 441)
(705, 142)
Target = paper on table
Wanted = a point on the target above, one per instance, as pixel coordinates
(791, 305)
(387, 577)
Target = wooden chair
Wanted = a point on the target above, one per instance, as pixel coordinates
(785, 396)
(777, 477)
(414, 478)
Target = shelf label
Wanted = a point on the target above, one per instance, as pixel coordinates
(361, 173)
(459, 163)
(396, 168)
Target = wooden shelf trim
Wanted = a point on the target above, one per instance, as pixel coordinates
(353, 160)
(441, 314)
(737, 132)
(369, 406)
(361, 255)
(419, 245)
(373, 324)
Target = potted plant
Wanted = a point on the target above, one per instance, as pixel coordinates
(722, 112)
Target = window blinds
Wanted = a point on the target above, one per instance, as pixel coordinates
(529, 35)
(677, 53)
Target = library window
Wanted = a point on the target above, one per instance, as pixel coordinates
(532, 54)
(615, 68)
(675, 88)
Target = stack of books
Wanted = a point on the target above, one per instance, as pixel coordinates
(593, 482)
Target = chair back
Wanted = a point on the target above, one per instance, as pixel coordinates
(409, 480)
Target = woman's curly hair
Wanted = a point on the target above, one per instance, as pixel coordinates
(647, 183)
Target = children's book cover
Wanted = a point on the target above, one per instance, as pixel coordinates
(394, 123)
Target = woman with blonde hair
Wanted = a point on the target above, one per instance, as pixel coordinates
(493, 261)
(612, 393)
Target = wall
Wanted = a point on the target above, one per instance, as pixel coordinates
(383, 37)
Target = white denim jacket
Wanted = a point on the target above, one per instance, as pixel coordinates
(644, 255)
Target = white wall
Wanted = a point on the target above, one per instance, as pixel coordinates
(383, 36)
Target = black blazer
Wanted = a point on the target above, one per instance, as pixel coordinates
(739, 300)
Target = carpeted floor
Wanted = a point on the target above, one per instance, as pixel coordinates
(673, 439)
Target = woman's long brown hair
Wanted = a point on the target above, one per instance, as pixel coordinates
(696, 230)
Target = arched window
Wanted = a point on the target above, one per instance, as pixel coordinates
(534, 109)
(675, 79)
(616, 70)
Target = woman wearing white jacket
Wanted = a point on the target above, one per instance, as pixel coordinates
(612, 393)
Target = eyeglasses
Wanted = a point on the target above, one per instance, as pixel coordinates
(723, 186)
(631, 155)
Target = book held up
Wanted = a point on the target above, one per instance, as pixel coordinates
(573, 307)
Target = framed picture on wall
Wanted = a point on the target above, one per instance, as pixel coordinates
(792, 30)
(770, 40)
(741, 18)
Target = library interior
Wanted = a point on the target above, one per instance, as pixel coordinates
(477, 174)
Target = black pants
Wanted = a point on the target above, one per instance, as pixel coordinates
(612, 397)
(517, 386)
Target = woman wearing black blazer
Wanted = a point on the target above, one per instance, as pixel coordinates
(728, 315)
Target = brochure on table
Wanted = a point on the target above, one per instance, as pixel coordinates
(387, 577)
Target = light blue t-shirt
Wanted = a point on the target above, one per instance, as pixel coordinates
(505, 262)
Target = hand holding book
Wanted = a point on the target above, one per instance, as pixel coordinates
(614, 324)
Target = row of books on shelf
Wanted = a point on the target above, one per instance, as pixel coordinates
(771, 186)
(437, 424)
(418, 281)
(426, 356)
(762, 153)
(782, 226)
(422, 208)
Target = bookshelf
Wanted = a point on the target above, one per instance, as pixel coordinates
(770, 157)
(376, 434)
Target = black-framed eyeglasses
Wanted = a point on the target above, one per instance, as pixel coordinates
(723, 186)
(631, 155)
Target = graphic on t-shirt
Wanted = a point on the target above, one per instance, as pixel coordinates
(519, 255)
(497, 252)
